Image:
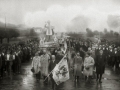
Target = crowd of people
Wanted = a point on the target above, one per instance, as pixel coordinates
(44, 62)
(89, 57)
(84, 58)
(12, 55)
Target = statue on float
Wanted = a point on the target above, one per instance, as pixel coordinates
(49, 38)
(49, 31)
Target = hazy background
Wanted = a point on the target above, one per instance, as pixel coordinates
(65, 15)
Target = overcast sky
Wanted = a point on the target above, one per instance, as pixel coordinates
(63, 14)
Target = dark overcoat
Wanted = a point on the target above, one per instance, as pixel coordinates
(58, 58)
(3, 60)
(0, 62)
(100, 64)
(52, 65)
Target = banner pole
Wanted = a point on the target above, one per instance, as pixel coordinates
(48, 75)
(52, 70)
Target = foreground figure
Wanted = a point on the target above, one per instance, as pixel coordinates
(78, 62)
(100, 65)
(88, 66)
(36, 65)
(44, 65)
(51, 67)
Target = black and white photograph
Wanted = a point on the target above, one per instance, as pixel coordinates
(59, 44)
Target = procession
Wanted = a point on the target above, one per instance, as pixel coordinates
(55, 61)
(59, 45)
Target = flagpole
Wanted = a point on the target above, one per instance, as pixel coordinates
(5, 23)
(52, 70)
(48, 75)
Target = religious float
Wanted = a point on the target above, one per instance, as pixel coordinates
(49, 38)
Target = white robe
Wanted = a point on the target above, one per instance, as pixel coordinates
(44, 64)
(88, 62)
(36, 64)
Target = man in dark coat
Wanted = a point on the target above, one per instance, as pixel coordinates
(71, 43)
(0, 64)
(85, 47)
(14, 62)
(100, 65)
(110, 62)
(54, 52)
(51, 67)
(18, 62)
(3, 68)
(116, 59)
(59, 56)
(107, 54)
(25, 54)
(82, 53)
(77, 46)
(97, 51)
(28, 54)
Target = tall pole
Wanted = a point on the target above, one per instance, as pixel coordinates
(119, 34)
(99, 35)
(5, 23)
(99, 38)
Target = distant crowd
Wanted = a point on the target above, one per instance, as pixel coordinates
(13, 55)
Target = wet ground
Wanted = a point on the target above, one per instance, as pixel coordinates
(27, 81)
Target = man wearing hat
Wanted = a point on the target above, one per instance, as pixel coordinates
(18, 62)
(116, 60)
(8, 59)
(59, 56)
(51, 67)
(44, 65)
(77, 64)
(0, 64)
(110, 56)
(36, 65)
(100, 65)
(3, 68)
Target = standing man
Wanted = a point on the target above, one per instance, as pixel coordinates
(110, 56)
(100, 65)
(77, 46)
(77, 64)
(59, 56)
(18, 62)
(36, 64)
(0, 64)
(51, 67)
(85, 47)
(44, 65)
(8, 58)
(82, 53)
(116, 60)
(3, 68)
(14, 62)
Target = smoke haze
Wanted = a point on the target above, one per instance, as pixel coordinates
(65, 15)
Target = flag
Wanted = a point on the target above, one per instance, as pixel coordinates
(61, 72)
